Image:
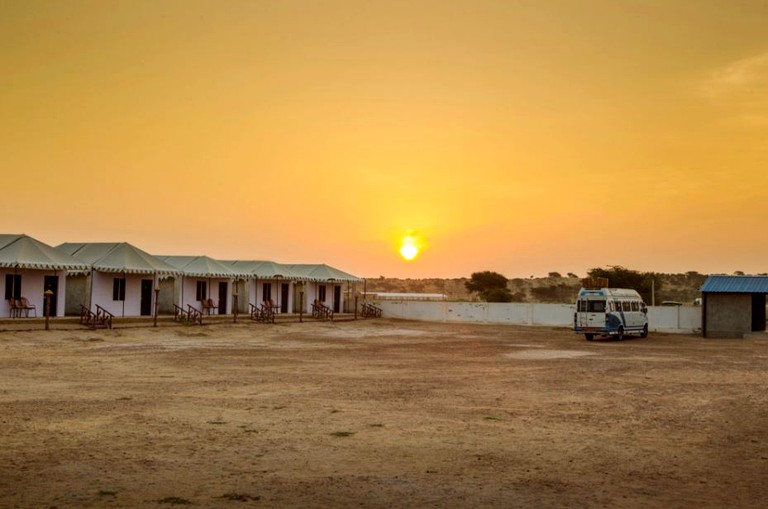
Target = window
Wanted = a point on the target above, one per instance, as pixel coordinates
(118, 288)
(625, 306)
(635, 306)
(596, 306)
(321, 293)
(201, 292)
(591, 306)
(266, 291)
(12, 286)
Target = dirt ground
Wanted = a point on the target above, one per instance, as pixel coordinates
(380, 414)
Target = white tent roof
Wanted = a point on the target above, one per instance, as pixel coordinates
(321, 272)
(203, 266)
(264, 269)
(117, 257)
(20, 251)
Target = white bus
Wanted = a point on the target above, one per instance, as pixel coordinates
(611, 312)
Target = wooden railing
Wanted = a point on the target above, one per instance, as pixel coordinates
(101, 318)
(263, 313)
(189, 315)
(370, 311)
(321, 311)
(193, 315)
(179, 315)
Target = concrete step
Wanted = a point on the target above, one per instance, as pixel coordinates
(73, 322)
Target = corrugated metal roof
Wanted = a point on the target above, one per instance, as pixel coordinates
(735, 284)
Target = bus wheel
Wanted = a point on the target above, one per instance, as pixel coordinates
(644, 334)
(620, 333)
(589, 336)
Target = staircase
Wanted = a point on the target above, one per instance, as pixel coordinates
(369, 310)
(100, 319)
(321, 311)
(189, 315)
(264, 313)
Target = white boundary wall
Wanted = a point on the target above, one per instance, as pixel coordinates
(681, 319)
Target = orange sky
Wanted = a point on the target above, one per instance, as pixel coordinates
(522, 137)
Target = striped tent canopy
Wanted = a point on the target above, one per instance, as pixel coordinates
(264, 269)
(117, 257)
(321, 273)
(203, 266)
(19, 251)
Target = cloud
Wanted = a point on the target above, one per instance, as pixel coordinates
(742, 88)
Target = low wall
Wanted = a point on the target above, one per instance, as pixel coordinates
(680, 319)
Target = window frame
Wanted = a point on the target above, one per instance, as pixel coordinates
(12, 286)
(201, 290)
(118, 289)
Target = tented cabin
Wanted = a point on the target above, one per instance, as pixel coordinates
(329, 285)
(29, 268)
(268, 281)
(121, 280)
(205, 284)
(733, 306)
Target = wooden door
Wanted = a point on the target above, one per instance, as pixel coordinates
(145, 306)
(51, 283)
(284, 293)
(336, 299)
(223, 297)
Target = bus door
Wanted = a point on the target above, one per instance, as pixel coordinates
(592, 314)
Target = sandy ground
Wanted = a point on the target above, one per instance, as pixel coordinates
(380, 414)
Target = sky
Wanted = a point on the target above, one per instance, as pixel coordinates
(522, 137)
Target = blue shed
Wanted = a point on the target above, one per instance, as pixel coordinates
(733, 305)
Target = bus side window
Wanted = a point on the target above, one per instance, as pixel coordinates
(625, 306)
(635, 306)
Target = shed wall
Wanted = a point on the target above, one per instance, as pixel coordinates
(729, 315)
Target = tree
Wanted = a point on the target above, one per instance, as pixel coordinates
(490, 286)
(554, 274)
(621, 277)
(571, 274)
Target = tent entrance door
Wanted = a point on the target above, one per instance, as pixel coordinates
(336, 299)
(223, 297)
(284, 292)
(51, 283)
(145, 307)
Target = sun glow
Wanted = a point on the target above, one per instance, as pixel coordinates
(409, 252)
(410, 247)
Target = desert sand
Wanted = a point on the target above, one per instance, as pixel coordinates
(379, 414)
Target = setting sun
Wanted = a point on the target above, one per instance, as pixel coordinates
(410, 245)
(409, 251)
